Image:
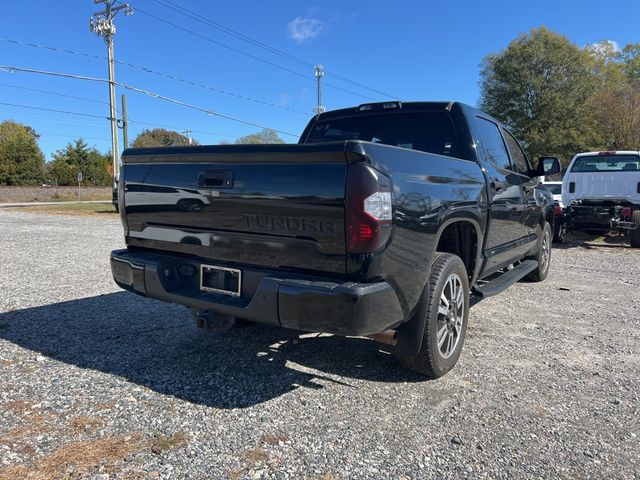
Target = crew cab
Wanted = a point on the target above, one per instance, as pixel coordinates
(386, 220)
(601, 192)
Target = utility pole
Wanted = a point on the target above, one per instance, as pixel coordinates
(188, 134)
(319, 74)
(101, 23)
(125, 122)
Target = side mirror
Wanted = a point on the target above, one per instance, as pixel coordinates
(548, 166)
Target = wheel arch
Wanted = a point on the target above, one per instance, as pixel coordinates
(462, 236)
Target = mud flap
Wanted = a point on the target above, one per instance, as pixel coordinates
(411, 332)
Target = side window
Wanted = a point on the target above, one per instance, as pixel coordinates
(517, 154)
(490, 144)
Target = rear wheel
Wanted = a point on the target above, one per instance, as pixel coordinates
(446, 318)
(543, 257)
(634, 237)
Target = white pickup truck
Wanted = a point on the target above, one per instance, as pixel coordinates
(601, 192)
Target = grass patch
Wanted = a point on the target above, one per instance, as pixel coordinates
(84, 423)
(18, 407)
(164, 443)
(105, 406)
(255, 455)
(82, 456)
(82, 209)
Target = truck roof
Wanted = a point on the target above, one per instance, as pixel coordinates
(389, 106)
(608, 152)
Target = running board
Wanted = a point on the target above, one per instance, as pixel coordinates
(504, 281)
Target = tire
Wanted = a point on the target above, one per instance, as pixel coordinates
(435, 360)
(634, 236)
(543, 256)
(559, 231)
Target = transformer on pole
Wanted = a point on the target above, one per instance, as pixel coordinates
(101, 23)
(319, 74)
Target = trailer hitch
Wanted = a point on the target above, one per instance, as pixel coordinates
(217, 322)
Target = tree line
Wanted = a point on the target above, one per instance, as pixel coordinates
(23, 163)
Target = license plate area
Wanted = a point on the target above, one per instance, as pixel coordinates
(226, 281)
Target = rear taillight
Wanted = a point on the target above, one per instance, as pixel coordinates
(369, 209)
(626, 211)
(557, 210)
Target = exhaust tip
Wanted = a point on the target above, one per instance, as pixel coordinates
(388, 337)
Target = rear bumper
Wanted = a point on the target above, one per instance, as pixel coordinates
(273, 297)
(605, 217)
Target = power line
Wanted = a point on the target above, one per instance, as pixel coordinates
(67, 112)
(30, 107)
(196, 16)
(60, 121)
(11, 69)
(170, 127)
(223, 45)
(58, 94)
(158, 73)
(241, 52)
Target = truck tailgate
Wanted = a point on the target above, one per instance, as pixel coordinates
(274, 206)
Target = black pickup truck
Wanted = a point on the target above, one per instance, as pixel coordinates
(386, 220)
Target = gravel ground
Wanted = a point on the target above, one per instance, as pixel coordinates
(99, 383)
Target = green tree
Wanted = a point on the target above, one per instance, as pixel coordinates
(21, 160)
(77, 157)
(264, 136)
(616, 110)
(630, 62)
(616, 104)
(159, 137)
(539, 86)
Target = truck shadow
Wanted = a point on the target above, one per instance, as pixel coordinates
(158, 346)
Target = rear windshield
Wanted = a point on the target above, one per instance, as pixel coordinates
(607, 163)
(428, 132)
(555, 189)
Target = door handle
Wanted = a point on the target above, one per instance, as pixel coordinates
(216, 179)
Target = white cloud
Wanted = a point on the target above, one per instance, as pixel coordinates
(604, 49)
(303, 29)
(283, 100)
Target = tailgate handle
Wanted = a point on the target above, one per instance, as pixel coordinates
(215, 179)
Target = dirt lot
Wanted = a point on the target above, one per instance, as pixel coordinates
(52, 194)
(99, 383)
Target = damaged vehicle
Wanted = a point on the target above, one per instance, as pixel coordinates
(601, 193)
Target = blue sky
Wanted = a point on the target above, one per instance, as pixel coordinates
(415, 50)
